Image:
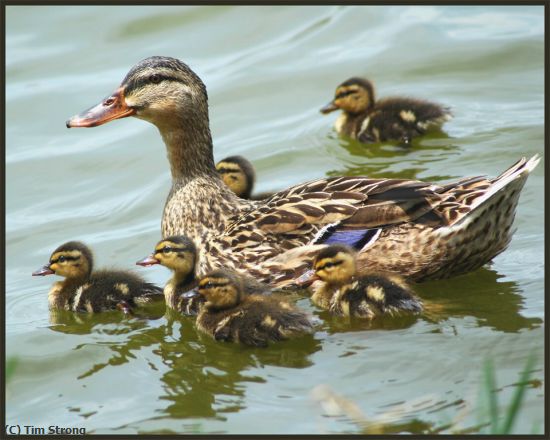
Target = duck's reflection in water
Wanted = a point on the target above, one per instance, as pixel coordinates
(481, 294)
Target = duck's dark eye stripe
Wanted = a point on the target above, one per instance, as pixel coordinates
(345, 93)
(140, 82)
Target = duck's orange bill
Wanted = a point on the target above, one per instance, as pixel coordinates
(112, 107)
(148, 261)
(43, 271)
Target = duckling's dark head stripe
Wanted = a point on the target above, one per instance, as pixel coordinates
(242, 164)
(72, 246)
(332, 250)
(176, 243)
(65, 258)
(212, 284)
(327, 264)
(345, 93)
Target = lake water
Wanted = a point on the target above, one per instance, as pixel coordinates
(268, 70)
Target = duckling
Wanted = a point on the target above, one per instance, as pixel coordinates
(230, 315)
(86, 290)
(368, 120)
(239, 175)
(178, 253)
(367, 296)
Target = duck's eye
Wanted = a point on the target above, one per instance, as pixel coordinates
(61, 259)
(166, 250)
(154, 78)
(329, 265)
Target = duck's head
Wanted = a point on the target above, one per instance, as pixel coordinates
(160, 90)
(238, 174)
(222, 289)
(72, 260)
(335, 264)
(353, 96)
(177, 253)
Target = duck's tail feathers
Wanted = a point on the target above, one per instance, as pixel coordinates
(517, 173)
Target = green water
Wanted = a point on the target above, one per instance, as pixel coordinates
(268, 71)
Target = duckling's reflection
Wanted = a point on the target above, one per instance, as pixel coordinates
(378, 167)
(204, 378)
(495, 303)
(207, 378)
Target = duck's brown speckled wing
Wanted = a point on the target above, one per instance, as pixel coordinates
(349, 203)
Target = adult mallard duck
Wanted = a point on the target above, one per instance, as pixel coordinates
(369, 120)
(418, 229)
(341, 291)
(86, 290)
(239, 175)
(252, 319)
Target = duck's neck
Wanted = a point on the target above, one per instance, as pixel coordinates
(199, 202)
(189, 149)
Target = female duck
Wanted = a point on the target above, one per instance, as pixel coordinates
(230, 315)
(86, 290)
(341, 292)
(368, 120)
(177, 253)
(420, 230)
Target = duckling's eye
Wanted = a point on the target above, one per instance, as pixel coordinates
(327, 265)
(344, 94)
(166, 250)
(154, 78)
(61, 259)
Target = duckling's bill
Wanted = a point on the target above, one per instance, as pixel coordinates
(149, 260)
(111, 108)
(43, 271)
(330, 107)
(306, 278)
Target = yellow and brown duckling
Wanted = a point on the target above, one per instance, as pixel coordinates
(369, 120)
(178, 253)
(239, 175)
(230, 315)
(86, 290)
(343, 293)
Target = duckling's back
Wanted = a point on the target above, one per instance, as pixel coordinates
(377, 294)
(256, 321)
(106, 289)
(402, 118)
